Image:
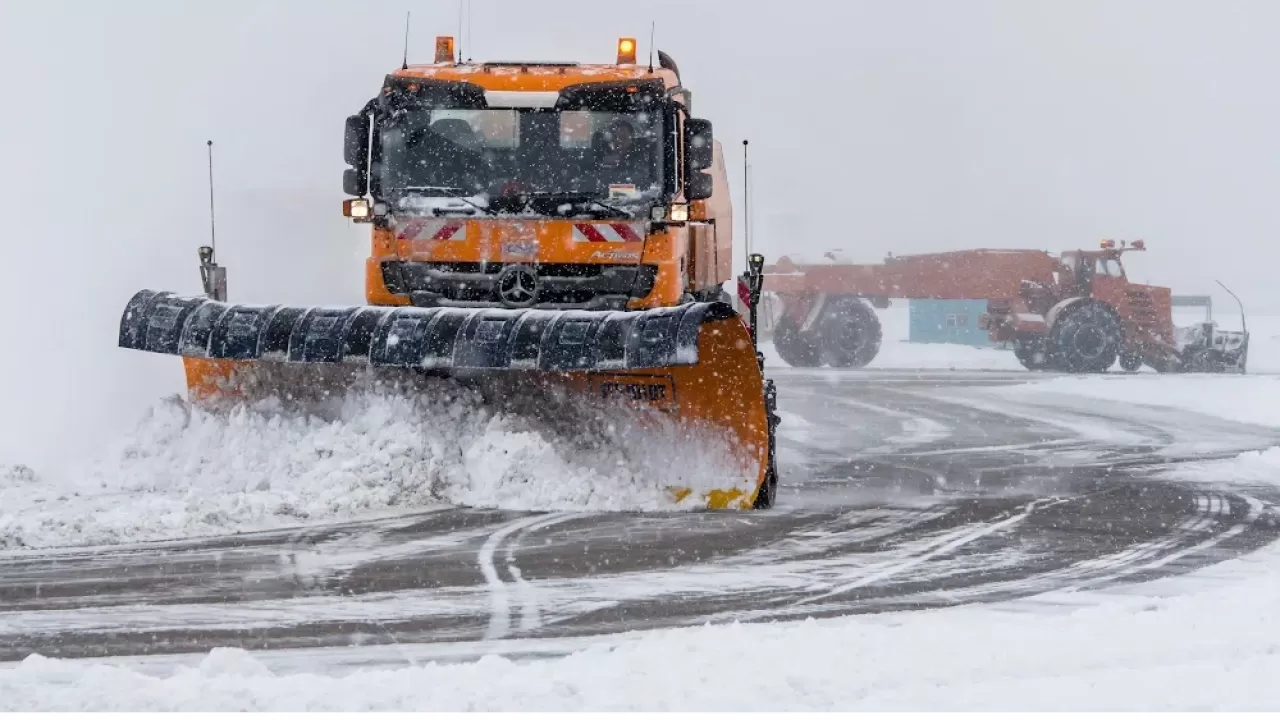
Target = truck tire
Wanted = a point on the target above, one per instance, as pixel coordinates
(795, 349)
(1130, 362)
(1086, 338)
(850, 332)
(768, 494)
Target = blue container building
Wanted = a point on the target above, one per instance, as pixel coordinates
(947, 321)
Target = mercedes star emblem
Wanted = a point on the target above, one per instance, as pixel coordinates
(518, 286)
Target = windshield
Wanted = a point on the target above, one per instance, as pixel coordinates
(1109, 268)
(493, 156)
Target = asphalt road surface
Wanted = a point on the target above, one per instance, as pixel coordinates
(901, 490)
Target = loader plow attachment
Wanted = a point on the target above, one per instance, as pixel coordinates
(690, 370)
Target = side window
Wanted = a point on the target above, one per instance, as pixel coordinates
(575, 129)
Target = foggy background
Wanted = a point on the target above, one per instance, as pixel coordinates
(895, 125)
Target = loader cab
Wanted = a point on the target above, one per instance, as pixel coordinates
(1075, 277)
(1079, 270)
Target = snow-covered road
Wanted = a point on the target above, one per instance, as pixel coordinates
(1059, 510)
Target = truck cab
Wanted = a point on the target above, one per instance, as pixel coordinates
(521, 184)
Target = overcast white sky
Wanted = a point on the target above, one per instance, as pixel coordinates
(894, 125)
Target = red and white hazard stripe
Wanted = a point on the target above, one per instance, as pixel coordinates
(416, 229)
(608, 232)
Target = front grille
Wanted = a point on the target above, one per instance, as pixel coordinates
(561, 284)
(1141, 307)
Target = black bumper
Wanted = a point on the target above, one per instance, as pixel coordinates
(586, 286)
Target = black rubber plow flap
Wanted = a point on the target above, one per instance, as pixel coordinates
(412, 337)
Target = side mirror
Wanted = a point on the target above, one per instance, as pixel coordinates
(699, 186)
(355, 150)
(699, 145)
(356, 142)
(699, 155)
(355, 182)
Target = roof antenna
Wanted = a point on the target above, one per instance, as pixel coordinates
(405, 65)
(212, 277)
(213, 236)
(746, 198)
(460, 4)
(468, 31)
(653, 29)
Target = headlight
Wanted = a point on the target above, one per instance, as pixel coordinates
(679, 213)
(356, 208)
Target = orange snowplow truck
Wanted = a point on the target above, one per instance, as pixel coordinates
(558, 228)
(1076, 312)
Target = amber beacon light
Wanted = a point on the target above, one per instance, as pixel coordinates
(626, 51)
(444, 49)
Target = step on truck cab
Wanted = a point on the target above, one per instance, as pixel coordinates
(538, 184)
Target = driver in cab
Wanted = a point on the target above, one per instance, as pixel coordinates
(619, 158)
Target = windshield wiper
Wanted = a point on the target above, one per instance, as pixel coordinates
(611, 208)
(582, 199)
(450, 192)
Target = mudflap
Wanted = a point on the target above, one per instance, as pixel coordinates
(690, 370)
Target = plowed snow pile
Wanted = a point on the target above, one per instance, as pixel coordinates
(185, 472)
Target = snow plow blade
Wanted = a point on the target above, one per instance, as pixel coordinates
(694, 365)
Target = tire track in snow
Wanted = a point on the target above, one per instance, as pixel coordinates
(1256, 508)
(528, 593)
(1209, 510)
(499, 591)
(946, 544)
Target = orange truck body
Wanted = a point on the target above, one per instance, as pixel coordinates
(679, 259)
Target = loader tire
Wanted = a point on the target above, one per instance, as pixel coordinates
(1086, 339)
(850, 332)
(795, 349)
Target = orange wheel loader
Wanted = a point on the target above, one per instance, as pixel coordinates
(532, 225)
(1075, 312)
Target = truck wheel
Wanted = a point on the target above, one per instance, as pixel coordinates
(768, 493)
(1086, 339)
(850, 333)
(1130, 362)
(795, 349)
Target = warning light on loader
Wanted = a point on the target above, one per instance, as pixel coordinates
(626, 51)
(1108, 244)
(444, 49)
(1139, 245)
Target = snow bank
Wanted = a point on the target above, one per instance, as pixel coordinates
(1208, 649)
(1248, 398)
(1258, 467)
(184, 471)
